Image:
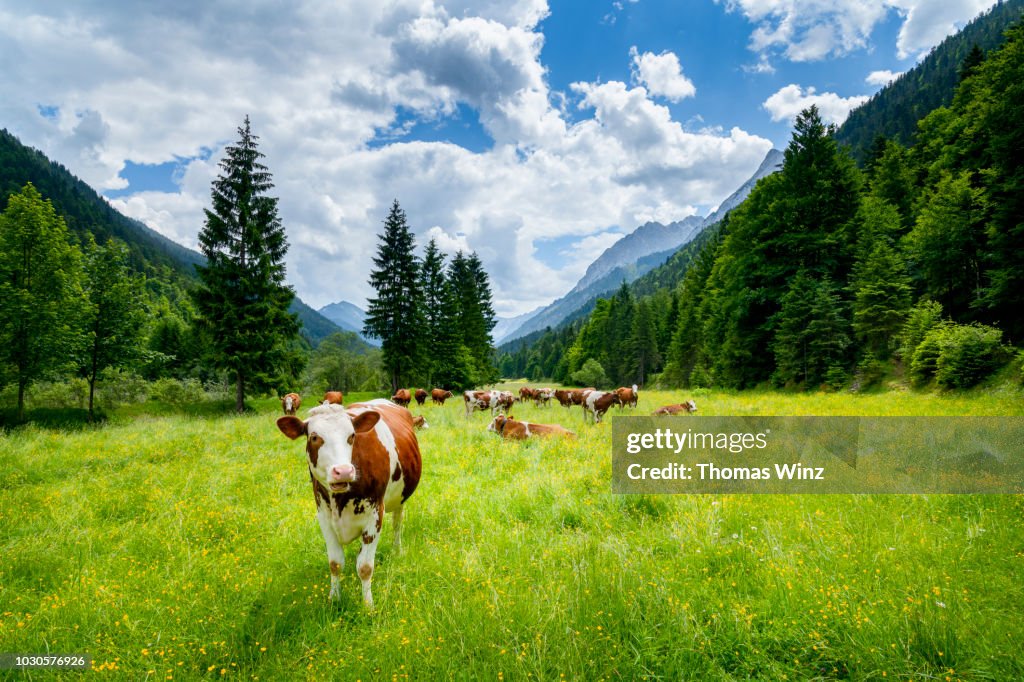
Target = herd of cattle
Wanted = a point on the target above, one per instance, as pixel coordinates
(364, 459)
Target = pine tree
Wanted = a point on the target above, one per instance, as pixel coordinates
(432, 283)
(643, 356)
(475, 318)
(40, 291)
(812, 334)
(242, 300)
(113, 314)
(395, 315)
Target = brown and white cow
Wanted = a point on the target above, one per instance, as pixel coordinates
(564, 397)
(579, 395)
(689, 407)
(439, 395)
(507, 427)
(290, 403)
(402, 397)
(364, 461)
(332, 398)
(420, 422)
(421, 396)
(628, 396)
(501, 401)
(597, 403)
(476, 400)
(542, 396)
(526, 393)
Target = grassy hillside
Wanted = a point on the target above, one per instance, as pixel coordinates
(186, 547)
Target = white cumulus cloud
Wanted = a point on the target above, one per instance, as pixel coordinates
(883, 77)
(789, 101)
(330, 90)
(661, 74)
(809, 30)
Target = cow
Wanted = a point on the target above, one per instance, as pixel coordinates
(290, 403)
(439, 395)
(332, 398)
(507, 427)
(476, 400)
(420, 422)
(578, 395)
(597, 403)
(689, 407)
(421, 396)
(501, 401)
(526, 393)
(628, 396)
(542, 396)
(564, 397)
(364, 461)
(402, 397)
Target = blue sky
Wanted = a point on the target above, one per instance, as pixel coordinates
(534, 133)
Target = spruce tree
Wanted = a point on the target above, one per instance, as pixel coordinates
(642, 346)
(243, 300)
(395, 315)
(475, 318)
(40, 291)
(432, 283)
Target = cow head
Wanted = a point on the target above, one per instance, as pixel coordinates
(691, 406)
(497, 424)
(330, 433)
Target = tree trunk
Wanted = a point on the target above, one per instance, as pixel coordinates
(21, 400)
(239, 392)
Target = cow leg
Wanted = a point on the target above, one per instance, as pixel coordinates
(335, 556)
(396, 516)
(368, 552)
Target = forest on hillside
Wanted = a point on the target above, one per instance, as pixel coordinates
(835, 275)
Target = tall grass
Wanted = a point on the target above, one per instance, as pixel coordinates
(186, 547)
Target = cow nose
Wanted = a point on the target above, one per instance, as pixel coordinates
(343, 472)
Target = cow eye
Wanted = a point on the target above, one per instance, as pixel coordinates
(315, 439)
(351, 439)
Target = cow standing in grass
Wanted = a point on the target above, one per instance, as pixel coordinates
(290, 403)
(628, 396)
(502, 401)
(421, 396)
(542, 396)
(364, 461)
(476, 400)
(439, 395)
(402, 397)
(596, 403)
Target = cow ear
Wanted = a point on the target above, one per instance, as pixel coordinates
(366, 421)
(291, 426)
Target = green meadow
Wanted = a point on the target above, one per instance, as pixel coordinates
(184, 546)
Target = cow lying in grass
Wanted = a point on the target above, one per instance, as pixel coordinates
(507, 427)
(364, 461)
(688, 407)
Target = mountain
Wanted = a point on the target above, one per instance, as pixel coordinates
(349, 317)
(636, 254)
(506, 325)
(894, 111)
(86, 212)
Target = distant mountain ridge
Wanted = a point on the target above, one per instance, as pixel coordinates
(348, 316)
(86, 212)
(634, 255)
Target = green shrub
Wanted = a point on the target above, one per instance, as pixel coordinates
(71, 392)
(923, 317)
(957, 355)
(968, 354)
(177, 392)
(591, 374)
(117, 387)
(870, 370)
